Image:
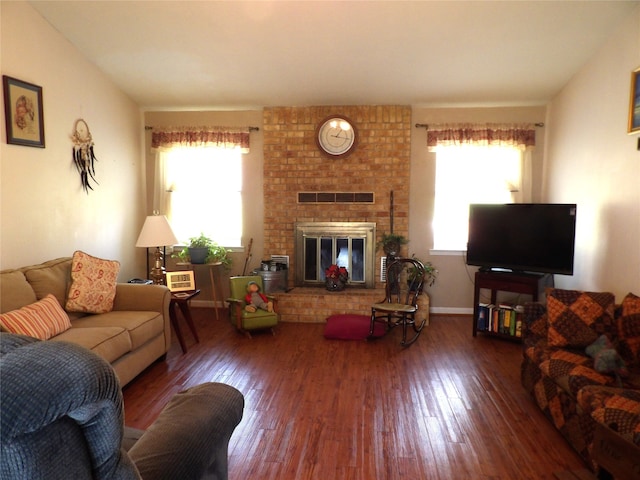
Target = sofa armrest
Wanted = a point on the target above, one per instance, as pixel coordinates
(151, 298)
(190, 438)
(534, 323)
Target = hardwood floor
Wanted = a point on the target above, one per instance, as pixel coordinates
(449, 407)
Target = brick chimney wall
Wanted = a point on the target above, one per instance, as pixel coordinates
(293, 164)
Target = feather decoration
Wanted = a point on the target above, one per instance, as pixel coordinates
(84, 157)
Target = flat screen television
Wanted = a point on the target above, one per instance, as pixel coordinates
(522, 237)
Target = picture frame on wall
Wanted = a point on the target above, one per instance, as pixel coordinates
(634, 102)
(23, 112)
(181, 281)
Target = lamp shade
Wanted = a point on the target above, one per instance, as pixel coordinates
(156, 232)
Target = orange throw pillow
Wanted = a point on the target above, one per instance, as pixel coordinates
(93, 284)
(43, 319)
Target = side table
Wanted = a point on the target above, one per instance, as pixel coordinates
(215, 287)
(181, 300)
(616, 456)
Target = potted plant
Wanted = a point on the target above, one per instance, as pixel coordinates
(430, 272)
(336, 278)
(391, 243)
(202, 249)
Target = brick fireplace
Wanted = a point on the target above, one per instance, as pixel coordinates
(303, 185)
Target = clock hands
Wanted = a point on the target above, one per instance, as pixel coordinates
(340, 130)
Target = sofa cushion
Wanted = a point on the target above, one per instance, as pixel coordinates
(577, 319)
(141, 326)
(52, 277)
(629, 329)
(43, 319)
(572, 371)
(93, 285)
(110, 343)
(15, 291)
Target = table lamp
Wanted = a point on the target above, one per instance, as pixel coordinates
(156, 232)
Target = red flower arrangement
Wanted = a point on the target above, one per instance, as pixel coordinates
(334, 271)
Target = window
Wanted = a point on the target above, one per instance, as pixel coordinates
(203, 187)
(467, 174)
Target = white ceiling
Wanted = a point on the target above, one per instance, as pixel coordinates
(240, 54)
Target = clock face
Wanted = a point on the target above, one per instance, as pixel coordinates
(337, 136)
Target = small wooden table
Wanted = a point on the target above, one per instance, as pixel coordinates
(215, 287)
(181, 300)
(616, 456)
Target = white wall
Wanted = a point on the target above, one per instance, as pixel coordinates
(590, 160)
(44, 213)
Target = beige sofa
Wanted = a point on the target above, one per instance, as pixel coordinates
(130, 337)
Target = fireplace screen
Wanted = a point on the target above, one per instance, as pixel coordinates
(346, 244)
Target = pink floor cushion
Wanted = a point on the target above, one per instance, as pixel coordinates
(351, 327)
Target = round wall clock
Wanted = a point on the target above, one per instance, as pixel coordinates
(337, 136)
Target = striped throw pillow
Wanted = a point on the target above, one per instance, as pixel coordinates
(43, 319)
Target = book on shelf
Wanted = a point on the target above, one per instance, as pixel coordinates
(506, 310)
(491, 309)
(483, 319)
(504, 318)
(519, 314)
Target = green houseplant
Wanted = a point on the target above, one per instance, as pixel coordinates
(391, 243)
(202, 249)
(430, 272)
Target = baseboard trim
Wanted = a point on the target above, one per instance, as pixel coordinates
(452, 310)
(206, 304)
(441, 310)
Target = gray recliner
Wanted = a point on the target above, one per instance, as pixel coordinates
(62, 417)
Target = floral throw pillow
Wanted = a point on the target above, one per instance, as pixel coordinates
(93, 284)
(577, 319)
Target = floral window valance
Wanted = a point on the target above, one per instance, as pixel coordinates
(517, 135)
(221, 137)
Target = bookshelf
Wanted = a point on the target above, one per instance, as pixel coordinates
(526, 283)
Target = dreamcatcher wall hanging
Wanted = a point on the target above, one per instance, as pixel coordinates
(83, 156)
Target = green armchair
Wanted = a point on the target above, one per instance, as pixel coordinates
(248, 321)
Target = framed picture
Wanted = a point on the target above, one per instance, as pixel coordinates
(23, 113)
(181, 281)
(634, 103)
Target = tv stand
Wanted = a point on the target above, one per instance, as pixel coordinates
(527, 283)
